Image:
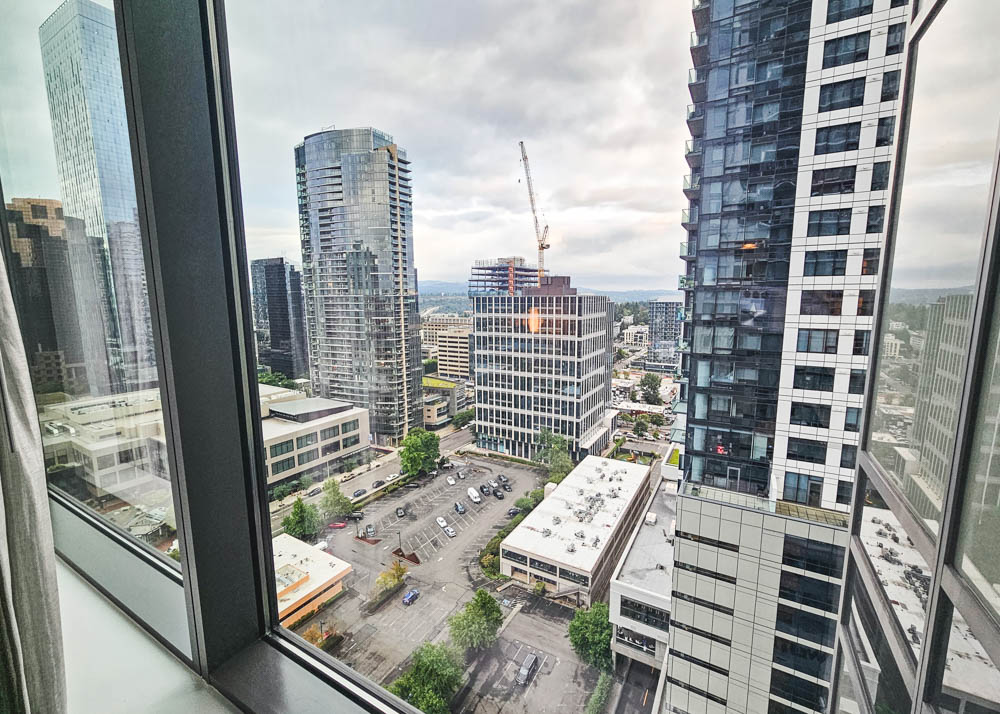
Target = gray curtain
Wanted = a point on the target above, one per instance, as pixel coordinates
(32, 679)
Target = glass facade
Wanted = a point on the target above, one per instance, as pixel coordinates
(279, 324)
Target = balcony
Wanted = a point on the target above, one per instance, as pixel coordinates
(684, 282)
(689, 218)
(700, 11)
(699, 48)
(693, 153)
(697, 80)
(692, 185)
(689, 250)
(696, 119)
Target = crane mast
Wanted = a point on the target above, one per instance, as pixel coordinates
(541, 235)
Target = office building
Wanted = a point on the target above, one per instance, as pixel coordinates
(358, 275)
(79, 46)
(453, 353)
(542, 361)
(453, 392)
(305, 577)
(665, 320)
(793, 126)
(434, 324)
(279, 323)
(572, 540)
(501, 276)
(920, 623)
(636, 336)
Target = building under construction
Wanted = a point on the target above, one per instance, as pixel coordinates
(502, 276)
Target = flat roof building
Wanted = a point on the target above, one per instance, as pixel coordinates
(572, 540)
(453, 352)
(305, 577)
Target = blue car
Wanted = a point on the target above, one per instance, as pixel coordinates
(411, 597)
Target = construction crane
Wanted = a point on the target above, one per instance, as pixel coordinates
(541, 235)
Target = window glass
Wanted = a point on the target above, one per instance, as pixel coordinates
(971, 681)
(823, 341)
(833, 181)
(842, 137)
(817, 415)
(834, 222)
(846, 49)
(883, 133)
(890, 85)
(841, 95)
(895, 38)
(821, 302)
(844, 491)
(825, 262)
(814, 378)
(838, 10)
(862, 342)
(852, 420)
(870, 261)
(880, 176)
(947, 174)
(807, 450)
(77, 271)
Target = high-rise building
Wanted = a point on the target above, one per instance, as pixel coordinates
(434, 324)
(79, 46)
(501, 276)
(279, 322)
(360, 283)
(665, 320)
(453, 353)
(542, 360)
(793, 122)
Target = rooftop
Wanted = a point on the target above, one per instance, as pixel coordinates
(439, 383)
(581, 513)
(648, 563)
(319, 406)
(757, 503)
(307, 565)
(274, 428)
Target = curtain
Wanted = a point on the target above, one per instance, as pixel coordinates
(32, 678)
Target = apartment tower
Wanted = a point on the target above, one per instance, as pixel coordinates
(360, 283)
(279, 322)
(792, 125)
(665, 320)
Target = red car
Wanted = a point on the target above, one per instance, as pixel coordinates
(337, 525)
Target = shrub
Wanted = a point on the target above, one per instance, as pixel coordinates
(599, 699)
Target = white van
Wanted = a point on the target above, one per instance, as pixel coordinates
(474, 496)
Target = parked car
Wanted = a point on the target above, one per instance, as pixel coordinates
(433, 473)
(527, 669)
(502, 478)
(485, 489)
(461, 475)
(413, 484)
(459, 508)
(392, 477)
(337, 525)
(506, 487)
(370, 530)
(451, 480)
(321, 544)
(411, 596)
(315, 491)
(498, 493)
(493, 484)
(360, 492)
(511, 512)
(401, 512)
(474, 496)
(378, 484)
(355, 516)
(441, 522)
(450, 532)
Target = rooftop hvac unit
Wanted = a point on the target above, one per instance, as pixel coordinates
(580, 534)
(596, 542)
(570, 548)
(546, 533)
(556, 520)
(650, 519)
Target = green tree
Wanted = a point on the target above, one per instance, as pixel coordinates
(432, 679)
(590, 636)
(657, 420)
(633, 396)
(430, 366)
(650, 386)
(390, 577)
(276, 379)
(539, 588)
(620, 354)
(281, 491)
(553, 453)
(303, 521)
(463, 417)
(305, 483)
(420, 452)
(475, 627)
(641, 426)
(524, 503)
(334, 503)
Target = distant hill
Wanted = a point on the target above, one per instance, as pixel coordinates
(443, 287)
(924, 296)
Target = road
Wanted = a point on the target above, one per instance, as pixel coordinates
(449, 444)
(639, 689)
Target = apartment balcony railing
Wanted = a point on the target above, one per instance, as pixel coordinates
(684, 282)
(689, 250)
(696, 84)
(689, 217)
(699, 48)
(692, 185)
(696, 119)
(693, 152)
(700, 11)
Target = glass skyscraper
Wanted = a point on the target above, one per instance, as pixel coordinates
(279, 323)
(89, 127)
(358, 275)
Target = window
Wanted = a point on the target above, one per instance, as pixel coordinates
(856, 384)
(835, 222)
(823, 341)
(862, 342)
(574, 577)
(852, 422)
(804, 590)
(869, 261)
(895, 39)
(307, 456)
(825, 262)
(812, 555)
(283, 448)
(866, 303)
(883, 134)
(646, 614)
(846, 49)
(329, 433)
(810, 450)
(838, 10)
(805, 625)
(817, 415)
(542, 565)
(832, 181)
(819, 379)
(515, 556)
(349, 441)
(848, 456)
(876, 219)
(842, 137)
(331, 448)
(349, 426)
(798, 690)
(804, 489)
(841, 95)
(305, 440)
(890, 86)
(844, 491)
(821, 302)
(278, 467)
(898, 3)
(803, 659)
(880, 176)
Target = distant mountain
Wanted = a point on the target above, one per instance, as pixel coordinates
(443, 287)
(924, 296)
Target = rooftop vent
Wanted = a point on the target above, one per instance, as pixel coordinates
(580, 534)
(570, 548)
(546, 532)
(556, 520)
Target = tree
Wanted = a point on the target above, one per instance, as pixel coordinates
(432, 679)
(305, 482)
(281, 491)
(633, 396)
(430, 366)
(276, 379)
(641, 426)
(590, 636)
(334, 503)
(303, 521)
(476, 626)
(657, 420)
(620, 354)
(650, 386)
(539, 588)
(463, 417)
(553, 452)
(524, 503)
(420, 452)
(390, 577)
